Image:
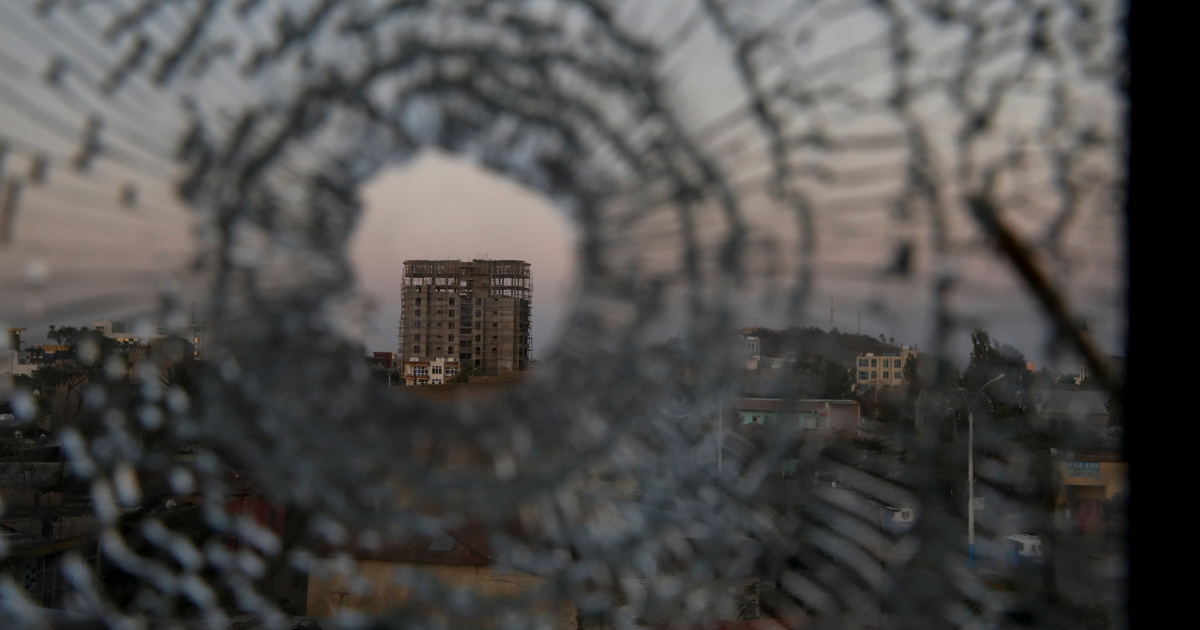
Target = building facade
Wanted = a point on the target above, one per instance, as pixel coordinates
(461, 561)
(1087, 481)
(477, 312)
(436, 371)
(194, 334)
(882, 369)
(806, 415)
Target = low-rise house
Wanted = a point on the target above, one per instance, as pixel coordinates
(761, 349)
(826, 416)
(384, 360)
(1084, 412)
(436, 371)
(1093, 474)
(1088, 480)
(460, 560)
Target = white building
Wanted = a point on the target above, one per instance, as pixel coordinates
(753, 350)
(435, 371)
(16, 359)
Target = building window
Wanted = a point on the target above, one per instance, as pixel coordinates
(437, 369)
(439, 349)
(862, 363)
(495, 324)
(862, 376)
(478, 302)
(478, 326)
(495, 350)
(477, 362)
(494, 337)
(478, 313)
(417, 337)
(885, 364)
(451, 303)
(451, 313)
(451, 338)
(477, 349)
(418, 303)
(874, 375)
(417, 349)
(874, 363)
(418, 313)
(886, 375)
(478, 338)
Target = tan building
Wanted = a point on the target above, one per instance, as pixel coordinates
(436, 371)
(882, 369)
(458, 560)
(478, 312)
(1087, 481)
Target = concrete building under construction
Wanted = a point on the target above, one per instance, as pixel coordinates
(477, 312)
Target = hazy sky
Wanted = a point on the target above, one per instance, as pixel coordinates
(438, 207)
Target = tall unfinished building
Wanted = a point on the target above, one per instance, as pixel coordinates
(478, 312)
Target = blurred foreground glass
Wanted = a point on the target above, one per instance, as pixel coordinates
(197, 436)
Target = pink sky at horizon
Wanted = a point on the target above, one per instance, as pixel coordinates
(441, 207)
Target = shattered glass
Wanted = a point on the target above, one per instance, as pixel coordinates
(962, 161)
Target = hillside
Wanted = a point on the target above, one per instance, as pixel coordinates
(812, 341)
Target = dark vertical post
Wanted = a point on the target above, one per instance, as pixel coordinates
(8, 209)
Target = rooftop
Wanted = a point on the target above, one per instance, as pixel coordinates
(1074, 402)
(778, 404)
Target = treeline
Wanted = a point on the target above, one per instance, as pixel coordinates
(57, 389)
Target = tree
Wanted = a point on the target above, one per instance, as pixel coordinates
(463, 376)
(60, 387)
(180, 375)
(748, 603)
(66, 335)
(823, 378)
(912, 374)
(990, 359)
(59, 393)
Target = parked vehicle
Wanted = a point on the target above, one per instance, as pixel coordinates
(1023, 550)
(899, 519)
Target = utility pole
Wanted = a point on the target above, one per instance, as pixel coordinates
(971, 474)
(721, 433)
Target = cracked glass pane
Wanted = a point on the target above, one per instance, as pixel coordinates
(200, 426)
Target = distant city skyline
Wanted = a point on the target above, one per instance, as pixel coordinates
(438, 206)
